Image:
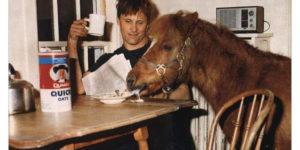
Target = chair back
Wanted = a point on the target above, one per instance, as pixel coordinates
(253, 124)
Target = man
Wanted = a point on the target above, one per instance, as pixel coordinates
(133, 19)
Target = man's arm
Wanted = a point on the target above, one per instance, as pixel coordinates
(77, 30)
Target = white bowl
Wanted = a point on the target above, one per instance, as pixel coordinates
(112, 98)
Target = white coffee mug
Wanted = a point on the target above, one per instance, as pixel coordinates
(96, 24)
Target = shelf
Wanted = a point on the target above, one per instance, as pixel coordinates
(254, 35)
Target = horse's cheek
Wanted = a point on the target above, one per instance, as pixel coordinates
(151, 78)
(172, 75)
(153, 87)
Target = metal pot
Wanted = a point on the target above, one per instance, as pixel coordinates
(20, 95)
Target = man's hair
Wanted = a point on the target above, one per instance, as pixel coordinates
(131, 7)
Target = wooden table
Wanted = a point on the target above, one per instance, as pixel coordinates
(89, 117)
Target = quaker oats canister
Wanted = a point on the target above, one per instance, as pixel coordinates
(55, 89)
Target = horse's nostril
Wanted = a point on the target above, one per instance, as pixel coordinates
(130, 81)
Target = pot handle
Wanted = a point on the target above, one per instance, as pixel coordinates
(11, 72)
(11, 69)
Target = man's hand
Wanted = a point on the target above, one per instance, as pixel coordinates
(78, 29)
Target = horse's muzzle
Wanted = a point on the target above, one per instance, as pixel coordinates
(131, 81)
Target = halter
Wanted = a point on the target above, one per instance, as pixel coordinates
(180, 57)
(161, 68)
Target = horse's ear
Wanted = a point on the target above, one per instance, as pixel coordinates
(191, 17)
(185, 21)
(180, 12)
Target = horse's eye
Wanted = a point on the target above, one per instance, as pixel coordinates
(167, 47)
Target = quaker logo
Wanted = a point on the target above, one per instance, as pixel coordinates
(60, 73)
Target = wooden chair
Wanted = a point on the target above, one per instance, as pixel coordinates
(253, 124)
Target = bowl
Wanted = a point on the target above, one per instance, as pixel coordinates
(112, 98)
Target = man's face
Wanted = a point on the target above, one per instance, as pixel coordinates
(133, 30)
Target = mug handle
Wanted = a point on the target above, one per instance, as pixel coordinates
(86, 19)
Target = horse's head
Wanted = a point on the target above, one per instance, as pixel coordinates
(165, 62)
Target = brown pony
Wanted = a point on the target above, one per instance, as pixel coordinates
(218, 63)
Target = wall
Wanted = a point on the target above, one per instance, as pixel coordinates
(277, 13)
(23, 41)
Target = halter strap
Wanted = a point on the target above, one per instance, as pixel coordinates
(145, 61)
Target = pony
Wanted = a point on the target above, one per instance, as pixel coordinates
(187, 49)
